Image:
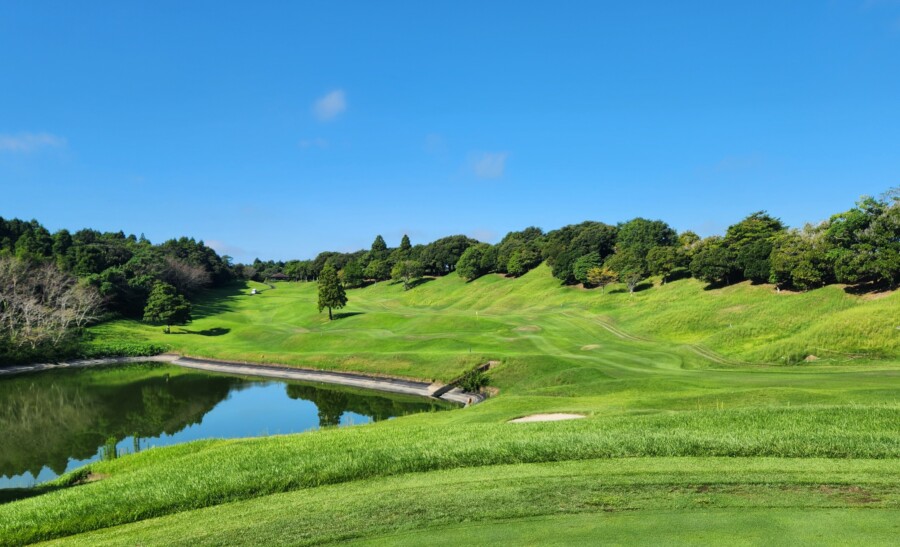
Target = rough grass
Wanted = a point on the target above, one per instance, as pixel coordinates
(474, 505)
(196, 475)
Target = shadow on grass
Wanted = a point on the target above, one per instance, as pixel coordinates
(346, 314)
(217, 331)
(219, 300)
(868, 288)
(421, 281)
(8, 495)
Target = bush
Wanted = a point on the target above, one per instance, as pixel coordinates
(473, 381)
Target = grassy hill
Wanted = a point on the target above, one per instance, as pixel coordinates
(702, 413)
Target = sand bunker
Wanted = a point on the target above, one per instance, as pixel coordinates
(547, 418)
(590, 347)
(528, 328)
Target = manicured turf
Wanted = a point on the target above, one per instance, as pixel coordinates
(669, 377)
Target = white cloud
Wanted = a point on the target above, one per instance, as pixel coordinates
(330, 106)
(489, 165)
(317, 142)
(29, 142)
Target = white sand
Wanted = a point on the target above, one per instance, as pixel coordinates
(547, 418)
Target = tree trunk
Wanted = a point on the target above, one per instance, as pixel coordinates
(329, 313)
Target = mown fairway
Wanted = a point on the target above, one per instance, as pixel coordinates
(699, 404)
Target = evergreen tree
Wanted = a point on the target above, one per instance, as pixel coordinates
(165, 305)
(379, 250)
(331, 292)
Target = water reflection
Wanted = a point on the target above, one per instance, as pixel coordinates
(55, 421)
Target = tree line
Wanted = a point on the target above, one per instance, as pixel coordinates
(860, 246)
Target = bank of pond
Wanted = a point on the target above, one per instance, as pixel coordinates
(54, 421)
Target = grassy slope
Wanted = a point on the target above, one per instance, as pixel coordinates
(660, 397)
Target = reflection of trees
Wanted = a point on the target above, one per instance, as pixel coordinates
(333, 402)
(45, 426)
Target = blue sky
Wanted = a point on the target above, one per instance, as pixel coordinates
(280, 130)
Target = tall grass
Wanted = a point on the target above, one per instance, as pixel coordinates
(163, 481)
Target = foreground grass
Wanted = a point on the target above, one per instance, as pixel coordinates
(744, 526)
(663, 489)
(196, 475)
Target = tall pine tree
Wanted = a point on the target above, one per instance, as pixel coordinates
(331, 292)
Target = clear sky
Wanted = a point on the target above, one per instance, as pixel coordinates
(279, 130)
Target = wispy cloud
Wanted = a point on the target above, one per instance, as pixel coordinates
(330, 106)
(30, 142)
(489, 165)
(317, 142)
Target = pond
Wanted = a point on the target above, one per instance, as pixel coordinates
(55, 421)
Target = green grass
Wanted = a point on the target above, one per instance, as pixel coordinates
(674, 379)
(493, 502)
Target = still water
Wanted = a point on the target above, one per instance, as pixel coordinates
(53, 422)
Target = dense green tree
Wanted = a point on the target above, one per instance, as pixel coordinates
(639, 235)
(166, 306)
(583, 265)
(471, 264)
(798, 261)
(562, 247)
(407, 271)
(526, 244)
(378, 270)
(865, 242)
(750, 242)
(714, 262)
(331, 292)
(662, 261)
(630, 266)
(440, 257)
(352, 275)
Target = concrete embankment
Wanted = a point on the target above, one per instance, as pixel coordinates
(392, 385)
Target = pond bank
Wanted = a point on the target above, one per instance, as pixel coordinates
(392, 385)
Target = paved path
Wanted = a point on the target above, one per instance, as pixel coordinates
(393, 385)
